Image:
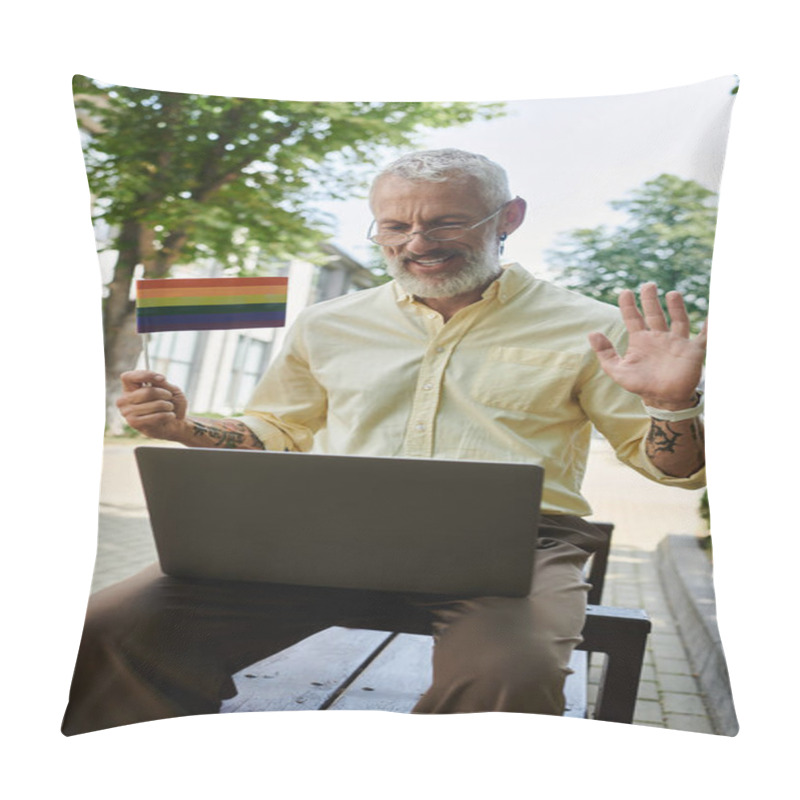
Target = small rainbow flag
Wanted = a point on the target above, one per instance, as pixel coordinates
(201, 304)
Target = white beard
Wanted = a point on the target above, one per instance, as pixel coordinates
(480, 270)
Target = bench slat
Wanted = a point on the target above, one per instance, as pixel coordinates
(307, 675)
(575, 693)
(395, 680)
(349, 670)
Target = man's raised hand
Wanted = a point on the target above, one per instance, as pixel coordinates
(662, 363)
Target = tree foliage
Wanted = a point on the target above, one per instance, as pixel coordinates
(209, 176)
(668, 237)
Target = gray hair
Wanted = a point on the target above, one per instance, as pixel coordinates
(447, 164)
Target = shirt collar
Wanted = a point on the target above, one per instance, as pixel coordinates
(511, 281)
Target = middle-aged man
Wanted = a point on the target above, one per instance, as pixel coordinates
(456, 358)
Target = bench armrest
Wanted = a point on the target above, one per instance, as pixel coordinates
(620, 633)
(598, 563)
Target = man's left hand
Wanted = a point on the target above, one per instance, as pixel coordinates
(662, 364)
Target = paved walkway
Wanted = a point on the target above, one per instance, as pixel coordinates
(643, 513)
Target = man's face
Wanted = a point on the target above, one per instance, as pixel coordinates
(437, 269)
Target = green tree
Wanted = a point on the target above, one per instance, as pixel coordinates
(668, 237)
(180, 177)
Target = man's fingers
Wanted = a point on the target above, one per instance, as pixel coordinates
(145, 409)
(651, 307)
(153, 416)
(145, 393)
(652, 316)
(140, 377)
(702, 337)
(677, 314)
(602, 346)
(630, 313)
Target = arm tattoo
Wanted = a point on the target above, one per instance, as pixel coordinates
(676, 446)
(226, 433)
(661, 438)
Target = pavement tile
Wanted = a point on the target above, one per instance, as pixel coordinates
(627, 600)
(683, 704)
(665, 639)
(648, 711)
(689, 722)
(657, 605)
(124, 547)
(661, 624)
(666, 646)
(648, 672)
(674, 666)
(649, 690)
(685, 684)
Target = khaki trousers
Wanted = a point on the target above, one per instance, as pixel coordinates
(155, 647)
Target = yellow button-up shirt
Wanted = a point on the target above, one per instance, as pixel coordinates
(511, 377)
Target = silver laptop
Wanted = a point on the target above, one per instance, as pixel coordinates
(394, 524)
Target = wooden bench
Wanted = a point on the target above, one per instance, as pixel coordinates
(355, 669)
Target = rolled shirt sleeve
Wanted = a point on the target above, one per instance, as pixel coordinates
(288, 406)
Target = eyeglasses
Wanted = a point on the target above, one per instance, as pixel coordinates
(391, 237)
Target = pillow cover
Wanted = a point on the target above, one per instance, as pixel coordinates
(620, 191)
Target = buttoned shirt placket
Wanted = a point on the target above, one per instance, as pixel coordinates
(444, 338)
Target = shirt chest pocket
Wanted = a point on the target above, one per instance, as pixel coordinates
(523, 379)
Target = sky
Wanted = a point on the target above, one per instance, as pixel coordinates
(568, 158)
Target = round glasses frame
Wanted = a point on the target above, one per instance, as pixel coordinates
(442, 233)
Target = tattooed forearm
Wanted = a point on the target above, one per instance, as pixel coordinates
(676, 448)
(662, 438)
(227, 433)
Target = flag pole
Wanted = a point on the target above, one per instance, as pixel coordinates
(146, 338)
